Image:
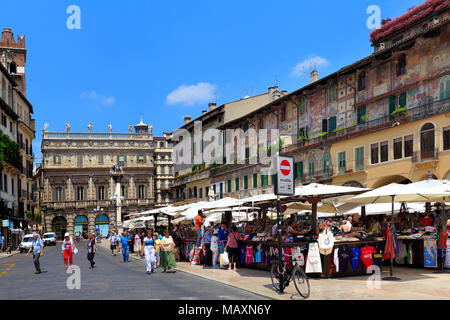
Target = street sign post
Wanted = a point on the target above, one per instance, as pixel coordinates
(284, 186)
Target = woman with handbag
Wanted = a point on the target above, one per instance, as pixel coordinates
(232, 244)
(91, 248)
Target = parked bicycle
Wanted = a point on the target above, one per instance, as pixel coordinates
(281, 278)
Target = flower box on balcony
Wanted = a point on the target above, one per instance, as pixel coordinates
(349, 171)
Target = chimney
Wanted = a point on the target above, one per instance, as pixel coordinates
(187, 120)
(284, 92)
(272, 90)
(212, 106)
(314, 76)
(204, 111)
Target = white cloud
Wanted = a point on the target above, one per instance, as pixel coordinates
(189, 95)
(94, 96)
(312, 62)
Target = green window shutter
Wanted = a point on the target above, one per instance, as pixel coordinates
(311, 166)
(402, 100)
(221, 190)
(300, 170)
(332, 123)
(273, 178)
(264, 180)
(361, 111)
(342, 162)
(245, 182)
(324, 125)
(392, 106)
(246, 126)
(255, 180)
(359, 155)
(236, 182)
(302, 104)
(229, 185)
(295, 170)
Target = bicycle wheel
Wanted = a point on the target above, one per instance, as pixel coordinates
(275, 275)
(301, 282)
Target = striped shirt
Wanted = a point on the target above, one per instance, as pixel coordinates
(233, 239)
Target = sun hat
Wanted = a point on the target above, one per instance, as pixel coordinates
(66, 235)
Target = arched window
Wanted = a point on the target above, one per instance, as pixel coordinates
(311, 166)
(326, 162)
(444, 88)
(362, 81)
(427, 141)
(401, 65)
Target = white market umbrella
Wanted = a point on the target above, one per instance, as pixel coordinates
(401, 193)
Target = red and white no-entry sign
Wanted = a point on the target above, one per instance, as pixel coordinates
(284, 185)
(285, 168)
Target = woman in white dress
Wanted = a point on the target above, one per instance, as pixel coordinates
(149, 250)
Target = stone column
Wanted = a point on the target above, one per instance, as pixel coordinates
(91, 221)
(70, 226)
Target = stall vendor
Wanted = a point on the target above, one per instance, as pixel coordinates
(346, 225)
(374, 226)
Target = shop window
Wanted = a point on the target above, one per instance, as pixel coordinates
(384, 151)
(427, 140)
(446, 134)
(362, 81)
(342, 163)
(397, 148)
(374, 153)
(401, 65)
(359, 159)
(409, 146)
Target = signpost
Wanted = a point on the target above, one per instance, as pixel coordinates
(284, 186)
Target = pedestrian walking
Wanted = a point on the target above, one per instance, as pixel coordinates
(214, 248)
(68, 248)
(207, 240)
(113, 243)
(157, 241)
(137, 243)
(37, 246)
(125, 241)
(232, 245)
(1, 242)
(91, 248)
(149, 251)
(167, 259)
(131, 233)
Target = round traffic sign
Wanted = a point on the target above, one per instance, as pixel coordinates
(285, 167)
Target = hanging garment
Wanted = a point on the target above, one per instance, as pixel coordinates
(297, 257)
(249, 255)
(400, 258)
(287, 255)
(410, 255)
(344, 255)
(366, 255)
(258, 255)
(336, 259)
(447, 255)
(242, 254)
(326, 242)
(356, 252)
(430, 253)
(387, 248)
(378, 255)
(196, 255)
(313, 262)
(442, 236)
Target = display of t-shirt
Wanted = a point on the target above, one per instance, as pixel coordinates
(400, 258)
(410, 255)
(430, 253)
(447, 255)
(336, 259)
(249, 255)
(344, 255)
(366, 255)
(242, 254)
(355, 260)
(258, 255)
(378, 255)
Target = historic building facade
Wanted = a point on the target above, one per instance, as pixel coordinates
(18, 131)
(77, 185)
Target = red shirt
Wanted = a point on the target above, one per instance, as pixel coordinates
(198, 222)
(366, 255)
(427, 221)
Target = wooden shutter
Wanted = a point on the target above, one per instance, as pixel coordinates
(402, 100)
(324, 125)
(332, 123)
(392, 106)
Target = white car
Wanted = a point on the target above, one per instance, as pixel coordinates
(25, 245)
(49, 239)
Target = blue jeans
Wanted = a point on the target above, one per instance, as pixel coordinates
(199, 237)
(222, 247)
(126, 253)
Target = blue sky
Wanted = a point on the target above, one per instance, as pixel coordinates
(167, 59)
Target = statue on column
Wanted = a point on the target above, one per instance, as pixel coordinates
(110, 128)
(67, 126)
(46, 127)
(90, 126)
(130, 128)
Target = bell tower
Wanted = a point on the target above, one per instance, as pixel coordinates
(13, 56)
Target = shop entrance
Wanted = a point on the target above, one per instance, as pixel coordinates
(59, 226)
(81, 224)
(102, 224)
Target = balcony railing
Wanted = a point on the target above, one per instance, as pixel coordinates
(425, 155)
(84, 136)
(318, 176)
(412, 114)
